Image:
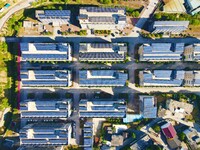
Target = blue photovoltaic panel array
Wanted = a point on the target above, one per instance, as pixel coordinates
(48, 46)
(102, 72)
(46, 107)
(101, 45)
(44, 57)
(57, 13)
(58, 141)
(45, 77)
(33, 141)
(95, 102)
(101, 9)
(100, 55)
(101, 19)
(52, 136)
(103, 108)
(102, 114)
(44, 72)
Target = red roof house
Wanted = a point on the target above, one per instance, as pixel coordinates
(168, 130)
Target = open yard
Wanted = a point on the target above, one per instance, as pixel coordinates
(14, 25)
(193, 30)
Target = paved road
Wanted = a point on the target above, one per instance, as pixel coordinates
(16, 8)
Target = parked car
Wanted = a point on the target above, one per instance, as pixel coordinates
(113, 35)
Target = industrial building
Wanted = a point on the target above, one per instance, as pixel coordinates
(46, 109)
(46, 52)
(192, 6)
(161, 52)
(192, 78)
(193, 136)
(172, 27)
(99, 18)
(54, 17)
(102, 108)
(174, 6)
(46, 134)
(103, 78)
(162, 78)
(46, 78)
(102, 52)
(148, 106)
(192, 52)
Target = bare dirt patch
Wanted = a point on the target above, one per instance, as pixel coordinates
(3, 77)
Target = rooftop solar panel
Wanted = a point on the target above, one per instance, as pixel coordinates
(57, 12)
(102, 19)
(101, 45)
(102, 9)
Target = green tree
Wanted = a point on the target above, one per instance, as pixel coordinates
(60, 8)
(133, 14)
(182, 136)
(158, 16)
(133, 135)
(4, 104)
(137, 14)
(156, 128)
